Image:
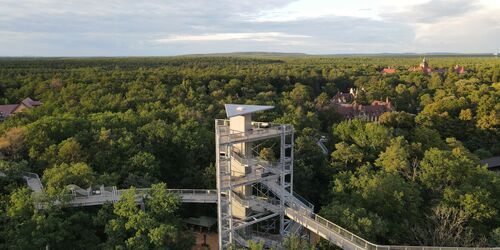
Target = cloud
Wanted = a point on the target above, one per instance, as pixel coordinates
(477, 31)
(25, 8)
(330, 34)
(256, 36)
(167, 16)
(171, 27)
(452, 25)
(434, 10)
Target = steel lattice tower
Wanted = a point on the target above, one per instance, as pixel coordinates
(252, 192)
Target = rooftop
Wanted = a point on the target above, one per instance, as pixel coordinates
(9, 109)
(242, 109)
(6, 110)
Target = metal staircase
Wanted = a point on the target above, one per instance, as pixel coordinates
(246, 208)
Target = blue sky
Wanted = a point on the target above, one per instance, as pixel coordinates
(174, 27)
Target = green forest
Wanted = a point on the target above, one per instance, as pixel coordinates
(412, 178)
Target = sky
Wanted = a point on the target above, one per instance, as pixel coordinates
(176, 27)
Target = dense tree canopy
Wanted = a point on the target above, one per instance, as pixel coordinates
(412, 178)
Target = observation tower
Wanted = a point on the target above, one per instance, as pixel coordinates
(252, 191)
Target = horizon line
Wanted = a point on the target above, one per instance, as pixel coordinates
(264, 52)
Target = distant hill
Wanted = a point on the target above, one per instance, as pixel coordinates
(284, 54)
(251, 54)
(429, 54)
(273, 55)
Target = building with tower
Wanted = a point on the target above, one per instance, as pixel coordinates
(425, 69)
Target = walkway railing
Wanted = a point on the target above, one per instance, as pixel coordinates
(347, 240)
(186, 195)
(33, 181)
(304, 201)
(297, 209)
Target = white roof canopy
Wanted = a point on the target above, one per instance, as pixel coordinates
(241, 109)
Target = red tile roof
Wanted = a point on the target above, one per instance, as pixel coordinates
(388, 71)
(459, 69)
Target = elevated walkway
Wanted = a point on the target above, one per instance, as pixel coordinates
(302, 212)
(80, 197)
(347, 240)
(297, 209)
(33, 182)
(186, 195)
(321, 144)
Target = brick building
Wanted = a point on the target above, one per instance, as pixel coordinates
(345, 104)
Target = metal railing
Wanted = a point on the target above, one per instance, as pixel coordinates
(243, 161)
(254, 176)
(298, 209)
(319, 224)
(31, 175)
(251, 135)
(33, 180)
(184, 194)
(295, 198)
(241, 201)
(303, 200)
(255, 124)
(251, 201)
(256, 161)
(259, 131)
(111, 194)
